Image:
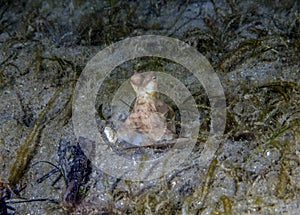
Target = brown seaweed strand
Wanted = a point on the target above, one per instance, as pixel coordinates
(26, 151)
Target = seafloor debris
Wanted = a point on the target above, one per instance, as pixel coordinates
(76, 169)
(5, 194)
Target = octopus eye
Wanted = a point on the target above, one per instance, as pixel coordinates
(154, 77)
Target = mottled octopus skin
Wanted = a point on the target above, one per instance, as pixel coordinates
(146, 123)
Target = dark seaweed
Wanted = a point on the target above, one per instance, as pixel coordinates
(76, 169)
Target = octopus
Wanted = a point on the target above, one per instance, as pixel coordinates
(147, 123)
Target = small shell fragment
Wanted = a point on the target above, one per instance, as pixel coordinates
(110, 134)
